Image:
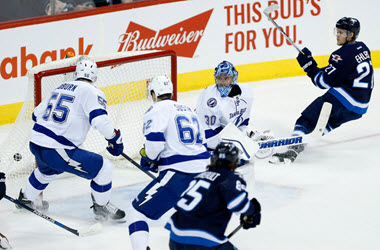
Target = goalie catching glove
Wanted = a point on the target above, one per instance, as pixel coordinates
(258, 137)
(253, 220)
(146, 163)
(115, 144)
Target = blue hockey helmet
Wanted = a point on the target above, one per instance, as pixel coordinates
(224, 154)
(226, 68)
(350, 24)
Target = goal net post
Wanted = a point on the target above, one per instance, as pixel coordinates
(122, 76)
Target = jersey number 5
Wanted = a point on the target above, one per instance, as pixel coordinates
(193, 192)
(60, 111)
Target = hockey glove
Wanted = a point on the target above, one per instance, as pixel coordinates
(306, 60)
(146, 163)
(115, 144)
(2, 185)
(253, 220)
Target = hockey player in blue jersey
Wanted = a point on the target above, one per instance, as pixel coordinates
(349, 79)
(228, 101)
(61, 126)
(207, 205)
(174, 147)
(2, 185)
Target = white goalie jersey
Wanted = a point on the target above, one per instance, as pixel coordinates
(174, 138)
(215, 112)
(64, 119)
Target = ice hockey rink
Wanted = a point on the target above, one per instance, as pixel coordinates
(328, 199)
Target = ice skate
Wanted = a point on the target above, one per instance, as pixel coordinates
(38, 204)
(102, 213)
(287, 157)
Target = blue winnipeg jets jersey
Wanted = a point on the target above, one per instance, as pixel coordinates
(215, 112)
(349, 76)
(174, 138)
(205, 209)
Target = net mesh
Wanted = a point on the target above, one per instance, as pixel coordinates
(124, 85)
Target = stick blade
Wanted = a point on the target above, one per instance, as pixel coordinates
(94, 229)
(271, 8)
(323, 119)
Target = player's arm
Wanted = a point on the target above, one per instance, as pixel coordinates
(39, 111)
(95, 108)
(155, 124)
(2, 185)
(233, 190)
(323, 78)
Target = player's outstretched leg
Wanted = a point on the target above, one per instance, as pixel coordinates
(102, 213)
(288, 156)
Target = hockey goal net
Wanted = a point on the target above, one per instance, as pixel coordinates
(122, 77)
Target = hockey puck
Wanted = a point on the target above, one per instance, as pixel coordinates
(17, 157)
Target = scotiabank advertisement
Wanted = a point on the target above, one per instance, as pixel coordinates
(202, 32)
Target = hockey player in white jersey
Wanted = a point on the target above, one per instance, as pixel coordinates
(174, 147)
(228, 101)
(61, 126)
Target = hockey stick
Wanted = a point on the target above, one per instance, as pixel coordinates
(272, 8)
(137, 165)
(316, 134)
(82, 232)
(235, 231)
(249, 147)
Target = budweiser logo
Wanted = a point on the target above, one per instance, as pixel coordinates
(182, 37)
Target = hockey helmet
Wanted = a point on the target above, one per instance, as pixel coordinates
(226, 68)
(224, 154)
(350, 24)
(86, 69)
(160, 85)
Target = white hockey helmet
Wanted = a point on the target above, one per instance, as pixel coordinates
(86, 69)
(161, 85)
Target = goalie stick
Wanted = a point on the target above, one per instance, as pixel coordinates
(267, 11)
(81, 232)
(249, 147)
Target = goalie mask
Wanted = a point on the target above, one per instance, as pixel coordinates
(225, 155)
(160, 85)
(225, 76)
(86, 69)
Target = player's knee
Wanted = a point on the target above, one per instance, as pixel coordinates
(43, 178)
(105, 173)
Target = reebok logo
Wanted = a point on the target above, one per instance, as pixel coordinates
(182, 37)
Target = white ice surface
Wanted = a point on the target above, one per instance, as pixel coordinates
(328, 199)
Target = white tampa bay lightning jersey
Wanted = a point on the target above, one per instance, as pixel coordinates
(215, 112)
(173, 137)
(64, 119)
